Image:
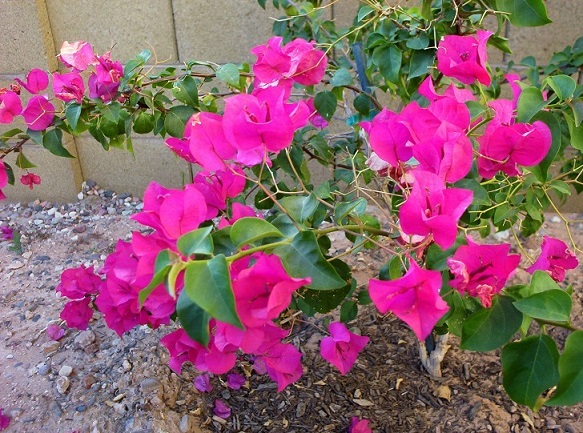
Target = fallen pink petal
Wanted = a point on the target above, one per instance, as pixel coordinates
(235, 380)
(55, 332)
(4, 420)
(358, 425)
(203, 383)
(222, 409)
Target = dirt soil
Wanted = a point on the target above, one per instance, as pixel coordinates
(92, 381)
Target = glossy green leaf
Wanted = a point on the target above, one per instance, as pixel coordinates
(325, 103)
(72, 114)
(144, 123)
(343, 210)
(176, 119)
(53, 142)
(23, 162)
(562, 85)
(575, 132)
(550, 119)
(420, 62)
(222, 241)
(554, 305)
(348, 311)
(530, 367)
(489, 328)
(303, 258)
(164, 261)
(197, 241)
(577, 108)
(208, 284)
(193, 319)
(524, 13)
(388, 59)
(342, 77)
(250, 229)
(324, 301)
(570, 388)
(229, 73)
(186, 90)
(530, 102)
(111, 111)
(541, 282)
(480, 194)
(300, 208)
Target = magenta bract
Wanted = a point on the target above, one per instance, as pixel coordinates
(68, 87)
(78, 55)
(359, 425)
(10, 106)
(38, 113)
(77, 313)
(37, 80)
(3, 179)
(30, 180)
(413, 298)
(555, 258)
(342, 347)
(76, 283)
(464, 57)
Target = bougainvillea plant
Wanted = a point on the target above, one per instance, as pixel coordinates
(462, 150)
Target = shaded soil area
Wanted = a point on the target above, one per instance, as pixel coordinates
(91, 381)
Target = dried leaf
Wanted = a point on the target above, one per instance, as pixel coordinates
(443, 392)
(398, 384)
(320, 382)
(363, 402)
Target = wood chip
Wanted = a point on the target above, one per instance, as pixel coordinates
(443, 392)
(398, 384)
(363, 402)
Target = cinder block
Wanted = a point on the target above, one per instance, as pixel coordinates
(60, 177)
(121, 171)
(221, 33)
(124, 27)
(26, 41)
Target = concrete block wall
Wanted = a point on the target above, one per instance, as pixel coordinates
(175, 31)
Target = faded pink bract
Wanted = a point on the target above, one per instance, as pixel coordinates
(555, 258)
(342, 347)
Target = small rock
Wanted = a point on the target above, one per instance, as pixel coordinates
(65, 371)
(185, 424)
(80, 228)
(555, 219)
(62, 384)
(56, 410)
(50, 347)
(80, 196)
(90, 183)
(81, 408)
(150, 384)
(89, 380)
(300, 409)
(85, 339)
(43, 368)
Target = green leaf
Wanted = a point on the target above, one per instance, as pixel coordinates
(73, 113)
(52, 141)
(325, 103)
(176, 119)
(208, 284)
(111, 111)
(480, 194)
(541, 282)
(197, 241)
(561, 187)
(186, 90)
(363, 12)
(541, 170)
(300, 208)
(554, 305)
(324, 301)
(489, 328)
(222, 241)
(577, 107)
(420, 63)
(343, 210)
(570, 388)
(164, 261)
(193, 319)
(437, 257)
(303, 258)
(229, 73)
(144, 123)
(524, 13)
(530, 367)
(250, 229)
(23, 162)
(9, 134)
(348, 311)
(562, 85)
(388, 58)
(342, 77)
(576, 133)
(530, 102)
(418, 42)
(362, 104)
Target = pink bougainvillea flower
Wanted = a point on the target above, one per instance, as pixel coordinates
(235, 380)
(202, 383)
(238, 211)
(76, 283)
(359, 425)
(37, 80)
(3, 179)
(260, 123)
(460, 95)
(464, 57)
(222, 409)
(55, 332)
(30, 180)
(218, 187)
(10, 106)
(504, 147)
(283, 364)
(78, 55)
(555, 258)
(263, 291)
(172, 212)
(7, 233)
(207, 142)
(68, 87)
(39, 113)
(181, 147)
(4, 420)
(296, 61)
(433, 209)
(482, 270)
(105, 81)
(77, 313)
(342, 347)
(413, 298)
(390, 139)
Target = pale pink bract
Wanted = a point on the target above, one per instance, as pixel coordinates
(555, 258)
